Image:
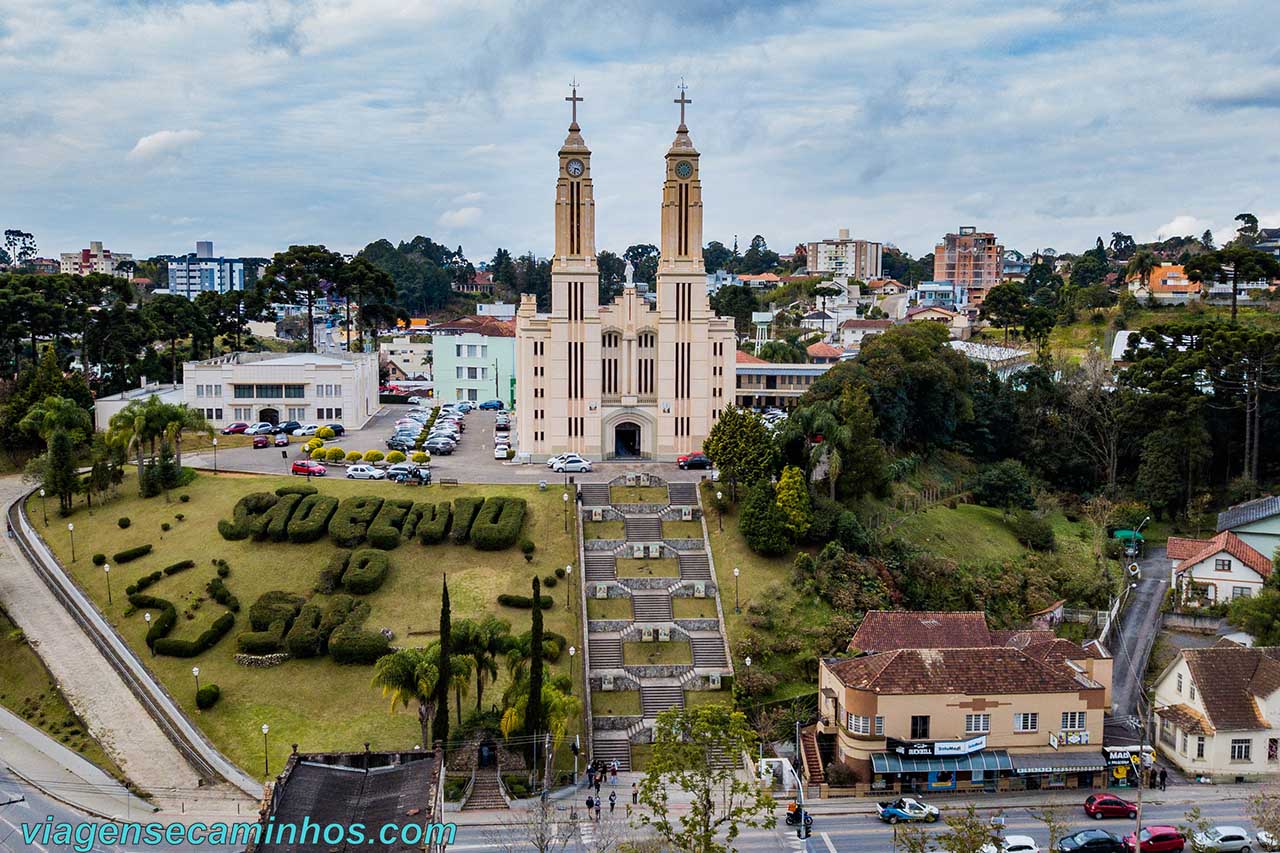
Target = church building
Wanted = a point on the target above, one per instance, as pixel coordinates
(627, 379)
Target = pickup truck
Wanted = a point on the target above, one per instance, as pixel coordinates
(906, 808)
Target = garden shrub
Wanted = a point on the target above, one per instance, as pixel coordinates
(350, 522)
(395, 457)
(1004, 485)
(303, 489)
(498, 523)
(164, 525)
(432, 527)
(310, 520)
(165, 618)
(318, 455)
(523, 602)
(179, 516)
(465, 511)
(123, 522)
(208, 638)
(1033, 532)
(208, 696)
(366, 571)
(99, 559)
(350, 643)
(224, 568)
(372, 456)
(142, 583)
(130, 554)
(331, 574)
(763, 524)
(263, 642)
(559, 569)
(384, 530)
(313, 444)
(325, 433)
(218, 592)
(184, 498)
(549, 581)
(335, 454)
(274, 606)
(245, 511)
(274, 523)
(355, 456)
(420, 457)
(179, 567)
(303, 639)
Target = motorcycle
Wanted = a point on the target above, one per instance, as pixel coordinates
(795, 815)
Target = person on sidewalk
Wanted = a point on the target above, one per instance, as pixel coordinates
(591, 775)
(597, 809)
(598, 780)
(613, 773)
(591, 802)
(635, 794)
(1164, 778)
(613, 801)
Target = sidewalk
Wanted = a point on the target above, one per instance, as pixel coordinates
(62, 774)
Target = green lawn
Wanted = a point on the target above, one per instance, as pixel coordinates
(641, 653)
(620, 703)
(638, 494)
(695, 698)
(608, 608)
(315, 703)
(967, 533)
(646, 568)
(604, 530)
(28, 690)
(682, 529)
(694, 608)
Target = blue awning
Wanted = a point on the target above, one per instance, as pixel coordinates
(985, 761)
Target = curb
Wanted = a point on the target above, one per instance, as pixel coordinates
(68, 803)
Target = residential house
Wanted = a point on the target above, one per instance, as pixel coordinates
(823, 353)
(1257, 522)
(819, 321)
(886, 287)
(1167, 284)
(852, 332)
(1218, 712)
(1216, 570)
(408, 357)
(945, 294)
(760, 281)
(957, 323)
(1268, 241)
(481, 284)
(719, 279)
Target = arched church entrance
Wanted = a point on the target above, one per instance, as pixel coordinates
(271, 416)
(626, 440)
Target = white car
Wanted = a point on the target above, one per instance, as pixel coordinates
(307, 429)
(1266, 840)
(572, 463)
(551, 463)
(1221, 839)
(415, 400)
(364, 472)
(501, 451)
(1013, 844)
(260, 428)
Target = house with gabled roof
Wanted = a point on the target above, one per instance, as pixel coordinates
(1257, 522)
(1217, 711)
(1216, 570)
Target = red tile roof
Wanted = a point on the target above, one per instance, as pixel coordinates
(1179, 548)
(489, 326)
(1186, 718)
(747, 358)
(889, 630)
(866, 324)
(920, 309)
(823, 350)
(1229, 678)
(968, 671)
(1233, 545)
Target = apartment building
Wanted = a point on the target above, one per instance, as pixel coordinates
(202, 272)
(971, 259)
(474, 358)
(843, 255)
(96, 259)
(761, 384)
(408, 357)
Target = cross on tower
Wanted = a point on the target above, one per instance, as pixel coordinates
(682, 100)
(574, 99)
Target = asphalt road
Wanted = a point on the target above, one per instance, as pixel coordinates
(1139, 624)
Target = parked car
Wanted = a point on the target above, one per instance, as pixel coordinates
(906, 809)
(501, 451)
(338, 429)
(364, 472)
(1157, 839)
(439, 448)
(308, 468)
(235, 429)
(1091, 841)
(551, 462)
(403, 444)
(1098, 806)
(465, 406)
(416, 477)
(260, 441)
(1222, 839)
(280, 440)
(694, 460)
(306, 429)
(502, 427)
(400, 468)
(492, 405)
(1266, 840)
(1013, 844)
(572, 464)
(287, 427)
(415, 400)
(260, 428)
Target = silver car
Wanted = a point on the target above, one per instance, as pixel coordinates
(1222, 839)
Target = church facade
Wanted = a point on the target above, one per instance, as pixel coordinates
(627, 379)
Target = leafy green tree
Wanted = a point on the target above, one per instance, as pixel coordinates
(792, 497)
(1088, 270)
(613, 274)
(534, 276)
(1140, 267)
(302, 274)
(644, 261)
(171, 319)
(759, 258)
(503, 270)
(445, 664)
(485, 641)
(687, 746)
(419, 270)
(716, 256)
(969, 833)
(1004, 485)
(1037, 326)
(411, 676)
(764, 525)
(19, 247)
(782, 352)
(60, 473)
(1004, 306)
(1235, 264)
(1043, 285)
(737, 301)
(1122, 245)
(374, 293)
(740, 446)
(58, 414)
(1247, 233)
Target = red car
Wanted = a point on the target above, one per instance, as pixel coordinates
(1158, 839)
(261, 441)
(1098, 806)
(308, 468)
(235, 429)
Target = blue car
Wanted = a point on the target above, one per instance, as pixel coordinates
(492, 405)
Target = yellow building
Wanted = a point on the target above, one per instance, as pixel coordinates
(624, 380)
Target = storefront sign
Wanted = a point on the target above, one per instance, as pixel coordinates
(930, 748)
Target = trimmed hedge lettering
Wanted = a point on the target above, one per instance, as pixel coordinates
(190, 648)
(350, 522)
(366, 571)
(331, 574)
(246, 509)
(274, 523)
(384, 530)
(310, 520)
(433, 526)
(498, 523)
(464, 515)
(179, 567)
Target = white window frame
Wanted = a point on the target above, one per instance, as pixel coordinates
(1075, 721)
(1026, 721)
(1179, 687)
(977, 724)
(1241, 749)
(879, 726)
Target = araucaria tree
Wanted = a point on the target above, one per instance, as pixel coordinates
(793, 499)
(301, 275)
(688, 747)
(60, 471)
(445, 667)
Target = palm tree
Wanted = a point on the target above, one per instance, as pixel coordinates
(835, 435)
(55, 413)
(460, 678)
(558, 709)
(484, 641)
(411, 675)
(1140, 267)
(185, 419)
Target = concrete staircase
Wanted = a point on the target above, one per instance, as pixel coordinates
(594, 494)
(812, 759)
(612, 746)
(606, 651)
(602, 567)
(486, 793)
(656, 698)
(643, 528)
(708, 649)
(649, 606)
(682, 494)
(694, 566)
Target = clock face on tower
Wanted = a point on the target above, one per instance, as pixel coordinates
(574, 167)
(684, 170)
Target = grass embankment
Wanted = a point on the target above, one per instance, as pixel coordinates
(656, 653)
(682, 530)
(618, 703)
(693, 608)
(638, 494)
(28, 690)
(646, 568)
(609, 608)
(604, 530)
(1076, 339)
(315, 703)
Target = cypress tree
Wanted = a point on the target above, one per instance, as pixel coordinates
(533, 711)
(441, 725)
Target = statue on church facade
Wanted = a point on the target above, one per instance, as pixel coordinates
(628, 274)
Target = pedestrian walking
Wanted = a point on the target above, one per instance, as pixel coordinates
(598, 787)
(597, 808)
(1164, 778)
(613, 773)
(591, 802)
(591, 775)
(635, 794)
(613, 800)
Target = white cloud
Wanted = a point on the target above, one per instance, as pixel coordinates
(163, 144)
(1186, 225)
(460, 217)
(471, 198)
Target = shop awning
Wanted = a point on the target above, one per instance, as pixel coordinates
(987, 760)
(1059, 762)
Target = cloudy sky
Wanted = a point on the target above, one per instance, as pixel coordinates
(150, 125)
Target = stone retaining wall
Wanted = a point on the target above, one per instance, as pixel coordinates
(620, 682)
(686, 544)
(614, 724)
(602, 544)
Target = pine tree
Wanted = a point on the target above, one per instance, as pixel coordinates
(763, 524)
(533, 722)
(60, 473)
(440, 728)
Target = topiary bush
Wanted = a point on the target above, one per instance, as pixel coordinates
(218, 592)
(190, 648)
(184, 498)
(303, 639)
(335, 454)
(549, 581)
(313, 444)
(372, 456)
(318, 455)
(142, 583)
(207, 696)
(465, 511)
(274, 606)
(420, 457)
(350, 521)
(523, 602)
(179, 516)
(763, 523)
(179, 567)
(395, 457)
(166, 616)
(310, 520)
(355, 456)
(331, 575)
(433, 527)
(99, 559)
(224, 568)
(384, 530)
(339, 610)
(325, 433)
(365, 572)
(131, 554)
(164, 526)
(246, 509)
(123, 522)
(303, 489)
(263, 642)
(274, 523)
(351, 644)
(559, 569)
(498, 523)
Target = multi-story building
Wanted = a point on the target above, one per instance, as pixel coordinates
(971, 259)
(201, 272)
(628, 379)
(474, 358)
(1167, 283)
(43, 266)
(408, 357)
(95, 259)
(842, 255)
(480, 284)
(937, 701)
(1268, 241)
(760, 384)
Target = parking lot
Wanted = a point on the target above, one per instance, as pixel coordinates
(471, 462)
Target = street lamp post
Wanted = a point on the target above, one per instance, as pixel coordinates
(720, 511)
(736, 607)
(43, 510)
(195, 671)
(71, 531)
(565, 497)
(568, 584)
(266, 764)
(106, 570)
(147, 617)
(215, 456)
